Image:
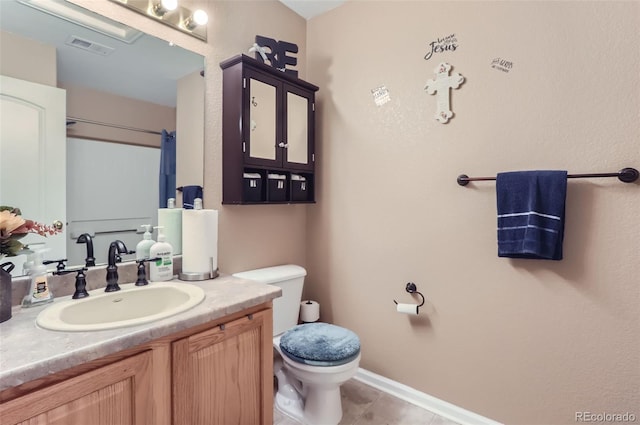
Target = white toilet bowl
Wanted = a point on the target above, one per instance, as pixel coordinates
(309, 372)
(310, 394)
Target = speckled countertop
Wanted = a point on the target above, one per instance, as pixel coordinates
(28, 352)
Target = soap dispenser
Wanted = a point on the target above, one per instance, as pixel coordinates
(162, 268)
(144, 246)
(171, 219)
(39, 292)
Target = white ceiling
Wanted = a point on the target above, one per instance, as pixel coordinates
(311, 8)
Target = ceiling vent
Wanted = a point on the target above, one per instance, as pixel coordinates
(90, 46)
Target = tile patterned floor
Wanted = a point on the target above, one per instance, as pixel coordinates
(364, 405)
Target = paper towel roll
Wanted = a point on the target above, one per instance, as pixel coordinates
(171, 220)
(309, 311)
(199, 241)
(411, 309)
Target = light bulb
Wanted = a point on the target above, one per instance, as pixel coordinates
(169, 4)
(200, 17)
(164, 6)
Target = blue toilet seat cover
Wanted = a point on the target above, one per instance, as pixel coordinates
(320, 344)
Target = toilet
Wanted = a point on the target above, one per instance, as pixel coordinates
(311, 360)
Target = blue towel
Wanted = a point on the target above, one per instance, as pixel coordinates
(167, 183)
(189, 194)
(531, 214)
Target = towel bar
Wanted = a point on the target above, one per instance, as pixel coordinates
(626, 175)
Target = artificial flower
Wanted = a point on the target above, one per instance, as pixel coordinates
(14, 227)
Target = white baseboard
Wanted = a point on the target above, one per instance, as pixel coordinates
(439, 407)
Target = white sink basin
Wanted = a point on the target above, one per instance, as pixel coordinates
(132, 305)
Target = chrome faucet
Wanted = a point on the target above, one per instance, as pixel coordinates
(115, 248)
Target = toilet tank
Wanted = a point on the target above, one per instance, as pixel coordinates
(290, 278)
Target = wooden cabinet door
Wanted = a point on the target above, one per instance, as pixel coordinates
(224, 376)
(119, 393)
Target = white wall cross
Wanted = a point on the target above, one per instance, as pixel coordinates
(442, 84)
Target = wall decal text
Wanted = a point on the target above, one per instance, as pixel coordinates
(448, 43)
(501, 64)
(381, 95)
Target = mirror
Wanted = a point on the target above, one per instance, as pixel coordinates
(262, 118)
(112, 148)
(297, 128)
(265, 139)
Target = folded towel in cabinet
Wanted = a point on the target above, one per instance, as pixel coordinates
(531, 207)
(189, 195)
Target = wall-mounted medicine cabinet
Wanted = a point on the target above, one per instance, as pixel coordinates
(268, 134)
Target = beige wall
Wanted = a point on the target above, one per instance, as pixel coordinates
(519, 341)
(94, 105)
(523, 342)
(256, 235)
(27, 59)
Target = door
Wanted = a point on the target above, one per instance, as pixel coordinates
(33, 158)
(262, 122)
(299, 128)
(120, 393)
(224, 376)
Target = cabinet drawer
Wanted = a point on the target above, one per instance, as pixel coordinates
(277, 187)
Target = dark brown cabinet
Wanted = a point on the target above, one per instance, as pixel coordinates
(268, 134)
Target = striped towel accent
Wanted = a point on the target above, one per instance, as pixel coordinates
(531, 207)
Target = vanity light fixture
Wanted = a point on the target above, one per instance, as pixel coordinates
(160, 8)
(171, 13)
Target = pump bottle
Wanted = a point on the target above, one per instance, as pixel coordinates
(39, 292)
(144, 246)
(162, 268)
(171, 219)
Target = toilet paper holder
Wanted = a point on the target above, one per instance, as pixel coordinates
(412, 289)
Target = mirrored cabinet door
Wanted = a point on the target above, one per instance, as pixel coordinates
(299, 128)
(297, 136)
(262, 120)
(262, 126)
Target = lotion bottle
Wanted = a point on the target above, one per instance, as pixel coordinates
(162, 268)
(171, 219)
(39, 292)
(143, 248)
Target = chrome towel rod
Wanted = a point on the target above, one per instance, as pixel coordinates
(73, 120)
(626, 175)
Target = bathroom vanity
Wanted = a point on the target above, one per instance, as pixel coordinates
(212, 364)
